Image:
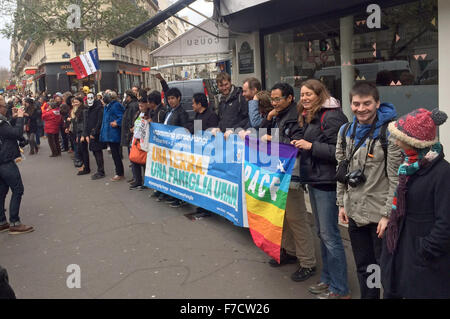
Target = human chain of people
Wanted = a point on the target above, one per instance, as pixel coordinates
(371, 173)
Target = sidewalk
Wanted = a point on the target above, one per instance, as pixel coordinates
(130, 246)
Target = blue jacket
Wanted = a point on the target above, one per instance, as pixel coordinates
(112, 112)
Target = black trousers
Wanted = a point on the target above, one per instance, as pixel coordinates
(64, 137)
(137, 173)
(366, 248)
(10, 178)
(116, 151)
(83, 152)
(100, 162)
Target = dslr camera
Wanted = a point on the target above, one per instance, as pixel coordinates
(355, 178)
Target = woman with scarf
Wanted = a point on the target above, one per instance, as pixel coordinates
(415, 260)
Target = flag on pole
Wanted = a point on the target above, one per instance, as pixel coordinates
(85, 64)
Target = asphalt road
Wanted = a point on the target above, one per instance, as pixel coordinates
(127, 245)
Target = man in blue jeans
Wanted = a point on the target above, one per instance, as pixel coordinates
(9, 172)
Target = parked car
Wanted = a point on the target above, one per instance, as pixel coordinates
(189, 87)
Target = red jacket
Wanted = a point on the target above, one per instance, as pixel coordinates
(52, 119)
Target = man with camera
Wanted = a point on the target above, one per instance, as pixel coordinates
(368, 161)
(9, 172)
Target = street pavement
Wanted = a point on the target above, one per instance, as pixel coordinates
(127, 245)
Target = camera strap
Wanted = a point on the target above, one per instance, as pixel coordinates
(362, 140)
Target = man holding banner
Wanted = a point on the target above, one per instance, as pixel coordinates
(297, 240)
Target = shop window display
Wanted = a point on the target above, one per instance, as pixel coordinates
(401, 57)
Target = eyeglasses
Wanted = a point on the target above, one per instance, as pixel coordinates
(277, 99)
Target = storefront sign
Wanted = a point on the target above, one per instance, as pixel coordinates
(246, 61)
(66, 67)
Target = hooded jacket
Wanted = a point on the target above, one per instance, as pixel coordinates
(9, 135)
(371, 200)
(318, 165)
(52, 120)
(112, 112)
(233, 110)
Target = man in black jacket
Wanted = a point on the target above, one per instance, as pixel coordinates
(93, 127)
(297, 241)
(205, 118)
(233, 107)
(9, 172)
(176, 116)
(157, 109)
(131, 107)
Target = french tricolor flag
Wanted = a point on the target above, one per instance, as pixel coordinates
(85, 64)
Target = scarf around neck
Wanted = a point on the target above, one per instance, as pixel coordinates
(414, 161)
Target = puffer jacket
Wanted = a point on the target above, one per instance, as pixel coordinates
(52, 119)
(370, 201)
(318, 165)
(233, 110)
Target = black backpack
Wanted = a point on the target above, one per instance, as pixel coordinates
(382, 137)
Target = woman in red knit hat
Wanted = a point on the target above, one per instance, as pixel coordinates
(415, 262)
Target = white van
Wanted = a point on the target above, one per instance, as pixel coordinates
(367, 71)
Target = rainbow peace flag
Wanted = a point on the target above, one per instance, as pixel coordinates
(267, 174)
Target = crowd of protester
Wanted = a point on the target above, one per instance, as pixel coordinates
(384, 177)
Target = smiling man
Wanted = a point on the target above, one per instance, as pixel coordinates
(368, 161)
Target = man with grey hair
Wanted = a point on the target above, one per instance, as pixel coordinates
(111, 130)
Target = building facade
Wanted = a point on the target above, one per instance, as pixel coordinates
(399, 45)
(46, 67)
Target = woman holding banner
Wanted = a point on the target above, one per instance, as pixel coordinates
(321, 117)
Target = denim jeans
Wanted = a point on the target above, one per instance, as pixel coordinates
(325, 210)
(10, 178)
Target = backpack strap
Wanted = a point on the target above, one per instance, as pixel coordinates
(344, 137)
(321, 120)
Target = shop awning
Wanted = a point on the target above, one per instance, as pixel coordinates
(268, 15)
(128, 37)
(196, 42)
